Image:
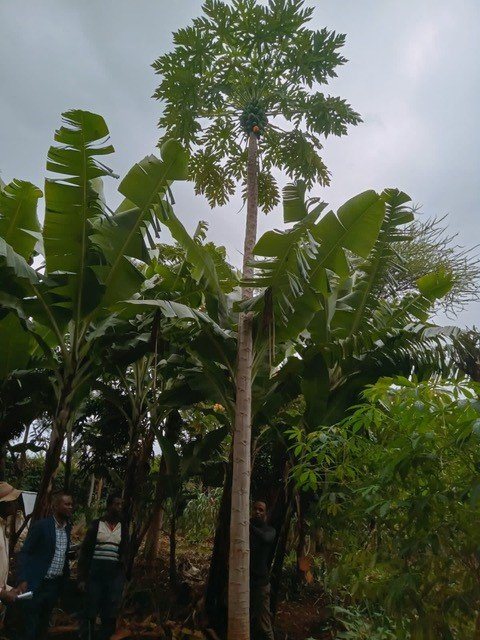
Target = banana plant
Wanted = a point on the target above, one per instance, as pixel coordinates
(90, 256)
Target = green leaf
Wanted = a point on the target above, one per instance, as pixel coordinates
(72, 204)
(204, 270)
(18, 216)
(356, 226)
(315, 388)
(435, 285)
(16, 344)
(16, 263)
(121, 237)
(294, 205)
(175, 157)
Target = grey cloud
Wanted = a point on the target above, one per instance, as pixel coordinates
(412, 74)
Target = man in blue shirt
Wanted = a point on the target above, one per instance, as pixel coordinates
(43, 566)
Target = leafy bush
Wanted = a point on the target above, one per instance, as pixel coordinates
(199, 517)
(398, 483)
(359, 624)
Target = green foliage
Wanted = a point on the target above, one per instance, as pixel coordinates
(399, 481)
(18, 216)
(433, 247)
(363, 625)
(247, 66)
(292, 265)
(199, 517)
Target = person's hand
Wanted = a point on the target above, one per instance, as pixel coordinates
(81, 586)
(8, 596)
(22, 587)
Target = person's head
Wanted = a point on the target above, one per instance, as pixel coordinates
(259, 511)
(62, 505)
(8, 499)
(114, 506)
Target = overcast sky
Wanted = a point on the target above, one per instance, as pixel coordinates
(413, 74)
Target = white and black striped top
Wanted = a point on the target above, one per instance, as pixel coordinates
(107, 546)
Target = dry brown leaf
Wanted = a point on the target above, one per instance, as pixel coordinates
(304, 563)
(122, 633)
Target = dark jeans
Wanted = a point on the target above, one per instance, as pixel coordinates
(37, 611)
(103, 595)
(261, 627)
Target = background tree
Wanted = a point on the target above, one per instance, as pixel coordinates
(234, 76)
(87, 261)
(432, 247)
(398, 497)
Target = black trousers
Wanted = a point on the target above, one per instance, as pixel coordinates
(261, 627)
(37, 611)
(103, 595)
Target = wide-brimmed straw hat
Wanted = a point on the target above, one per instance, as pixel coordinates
(8, 493)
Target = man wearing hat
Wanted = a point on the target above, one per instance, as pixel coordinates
(8, 507)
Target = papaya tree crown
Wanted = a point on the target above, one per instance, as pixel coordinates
(245, 67)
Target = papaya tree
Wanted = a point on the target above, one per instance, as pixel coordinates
(88, 265)
(235, 76)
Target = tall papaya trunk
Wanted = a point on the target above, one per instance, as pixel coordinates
(239, 558)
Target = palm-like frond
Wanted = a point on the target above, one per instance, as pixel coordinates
(356, 308)
(121, 237)
(72, 204)
(294, 263)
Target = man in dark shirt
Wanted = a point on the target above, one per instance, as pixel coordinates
(43, 566)
(262, 539)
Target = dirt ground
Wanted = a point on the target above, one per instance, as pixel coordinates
(152, 610)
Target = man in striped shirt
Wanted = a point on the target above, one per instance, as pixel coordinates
(101, 570)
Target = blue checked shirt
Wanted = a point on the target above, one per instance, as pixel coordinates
(58, 560)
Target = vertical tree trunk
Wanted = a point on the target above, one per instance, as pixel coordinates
(302, 537)
(90, 491)
(60, 425)
(217, 585)
(68, 461)
(280, 553)
(173, 547)
(52, 457)
(239, 559)
(3, 456)
(280, 519)
(152, 545)
(98, 495)
(154, 536)
(23, 456)
(137, 471)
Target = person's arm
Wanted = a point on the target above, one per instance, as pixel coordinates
(86, 553)
(265, 534)
(8, 595)
(28, 550)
